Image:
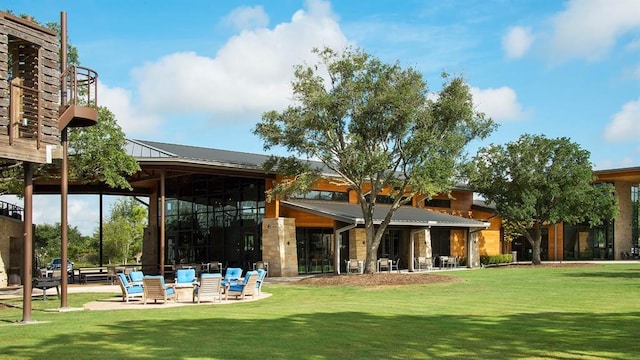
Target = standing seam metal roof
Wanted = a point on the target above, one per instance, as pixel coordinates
(405, 215)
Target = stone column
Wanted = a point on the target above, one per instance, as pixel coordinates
(622, 232)
(279, 246)
(473, 247)
(357, 244)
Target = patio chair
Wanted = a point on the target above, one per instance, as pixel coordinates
(215, 267)
(231, 276)
(262, 273)
(261, 265)
(353, 266)
(129, 290)
(155, 289)
(246, 288)
(395, 265)
(384, 264)
(210, 286)
(185, 277)
(135, 277)
(424, 262)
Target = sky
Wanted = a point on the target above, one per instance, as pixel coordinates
(202, 73)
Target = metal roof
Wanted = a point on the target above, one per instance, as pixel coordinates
(404, 216)
(147, 150)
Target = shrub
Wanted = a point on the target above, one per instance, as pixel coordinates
(496, 259)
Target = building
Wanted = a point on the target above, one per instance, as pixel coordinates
(208, 205)
(214, 209)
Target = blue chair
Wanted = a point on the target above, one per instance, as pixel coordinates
(135, 277)
(155, 289)
(231, 276)
(186, 276)
(246, 288)
(262, 273)
(129, 291)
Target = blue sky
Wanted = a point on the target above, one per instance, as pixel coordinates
(202, 72)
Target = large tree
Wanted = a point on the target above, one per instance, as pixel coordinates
(376, 127)
(537, 181)
(123, 231)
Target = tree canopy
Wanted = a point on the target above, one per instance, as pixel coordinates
(376, 127)
(96, 154)
(123, 231)
(537, 181)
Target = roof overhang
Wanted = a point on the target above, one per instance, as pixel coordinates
(631, 174)
(404, 216)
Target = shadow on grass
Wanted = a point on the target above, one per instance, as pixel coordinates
(351, 335)
(610, 274)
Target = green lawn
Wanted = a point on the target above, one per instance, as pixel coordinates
(497, 313)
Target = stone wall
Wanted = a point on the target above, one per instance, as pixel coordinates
(279, 246)
(624, 222)
(10, 228)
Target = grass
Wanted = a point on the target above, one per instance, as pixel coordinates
(498, 313)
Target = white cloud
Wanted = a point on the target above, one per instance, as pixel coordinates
(590, 28)
(247, 18)
(501, 104)
(625, 124)
(517, 41)
(131, 119)
(251, 73)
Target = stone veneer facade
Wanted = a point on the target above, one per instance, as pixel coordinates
(11, 230)
(622, 232)
(279, 246)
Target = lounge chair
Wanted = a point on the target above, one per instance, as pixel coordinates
(246, 288)
(135, 277)
(262, 273)
(384, 264)
(155, 289)
(261, 265)
(423, 262)
(129, 290)
(186, 277)
(354, 266)
(231, 276)
(215, 267)
(210, 286)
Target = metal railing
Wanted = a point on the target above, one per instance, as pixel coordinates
(11, 210)
(79, 87)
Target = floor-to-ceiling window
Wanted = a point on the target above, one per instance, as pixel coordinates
(582, 242)
(315, 250)
(214, 218)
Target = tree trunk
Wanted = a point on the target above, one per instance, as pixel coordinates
(535, 240)
(371, 260)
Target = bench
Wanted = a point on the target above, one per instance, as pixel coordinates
(46, 283)
(99, 273)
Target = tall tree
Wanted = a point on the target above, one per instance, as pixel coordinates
(537, 181)
(123, 231)
(375, 126)
(47, 243)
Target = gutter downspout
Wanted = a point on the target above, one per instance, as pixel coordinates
(337, 234)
